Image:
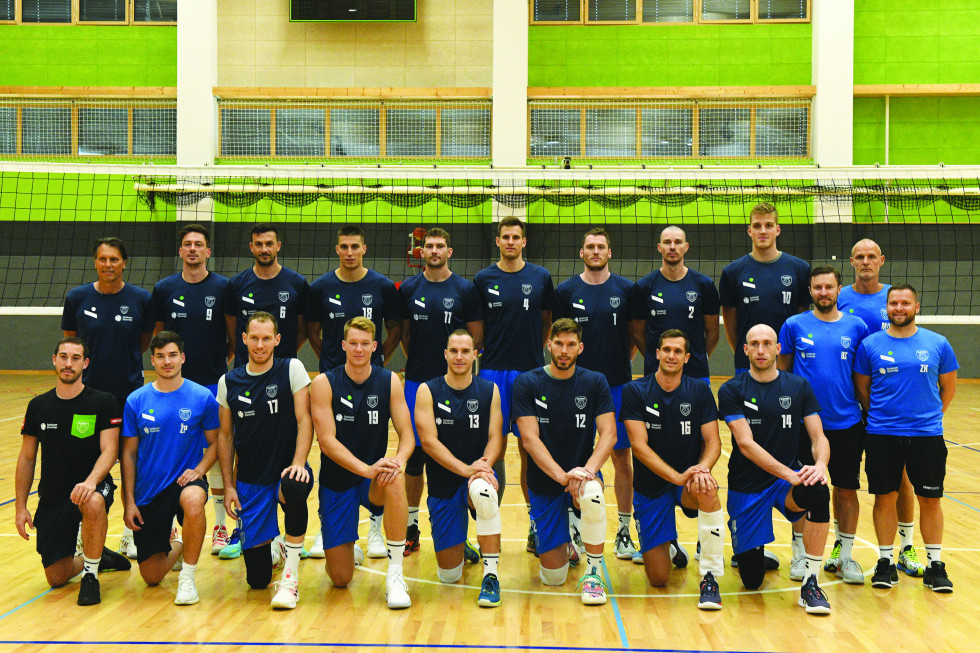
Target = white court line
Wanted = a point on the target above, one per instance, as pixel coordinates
(976, 409)
(966, 444)
(7, 419)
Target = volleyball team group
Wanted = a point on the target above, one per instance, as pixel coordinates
(827, 374)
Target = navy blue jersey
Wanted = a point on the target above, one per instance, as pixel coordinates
(870, 308)
(775, 413)
(334, 301)
(463, 426)
(823, 354)
(285, 296)
(764, 293)
(194, 310)
(512, 305)
(264, 419)
(434, 310)
(673, 421)
(565, 410)
(664, 304)
(361, 411)
(603, 311)
(112, 326)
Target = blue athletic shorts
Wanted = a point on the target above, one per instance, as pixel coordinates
(750, 515)
(655, 518)
(550, 515)
(411, 388)
(259, 516)
(505, 385)
(449, 519)
(622, 439)
(339, 513)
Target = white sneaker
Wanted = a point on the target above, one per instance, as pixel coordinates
(850, 572)
(396, 591)
(126, 545)
(219, 539)
(797, 568)
(316, 551)
(288, 592)
(376, 547)
(358, 555)
(186, 590)
(278, 553)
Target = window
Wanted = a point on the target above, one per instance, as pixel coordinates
(155, 132)
(610, 133)
(8, 10)
(411, 132)
(781, 132)
(102, 11)
(46, 11)
(559, 11)
(8, 130)
(300, 132)
(465, 133)
(46, 130)
(652, 12)
(611, 10)
(668, 11)
(666, 132)
(155, 11)
(103, 132)
(724, 133)
(355, 132)
(246, 132)
(712, 10)
(782, 9)
(556, 132)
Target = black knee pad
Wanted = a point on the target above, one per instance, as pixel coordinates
(258, 566)
(297, 513)
(815, 499)
(416, 463)
(751, 567)
(501, 472)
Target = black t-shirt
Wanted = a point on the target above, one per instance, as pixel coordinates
(68, 431)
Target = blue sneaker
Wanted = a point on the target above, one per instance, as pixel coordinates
(813, 599)
(234, 547)
(470, 553)
(490, 592)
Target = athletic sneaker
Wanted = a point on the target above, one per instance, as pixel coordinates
(234, 547)
(278, 553)
(358, 555)
(376, 544)
(470, 553)
(88, 590)
(832, 566)
(316, 551)
(936, 578)
(78, 542)
(813, 598)
(886, 575)
(532, 540)
(411, 540)
(908, 562)
(577, 539)
(186, 590)
(288, 591)
(850, 572)
(489, 592)
(678, 554)
(638, 558)
(126, 545)
(697, 551)
(710, 595)
(112, 561)
(396, 591)
(219, 539)
(174, 538)
(769, 561)
(797, 568)
(573, 556)
(624, 545)
(593, 588)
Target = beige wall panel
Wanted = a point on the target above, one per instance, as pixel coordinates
(474, 76)
(280, 53)
(236, 75)
(380, 76)
(280, 75)
(237, 53)
(330, 76)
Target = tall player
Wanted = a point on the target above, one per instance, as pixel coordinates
(433, 305)
(661, 411)
(819, 346)
(189, 303)
(267, 286)
(163, 471)
(767, 411)
(352, 404)
(350, 291)
(558, 408)
(866, 299)
(78, 430)
(263, 443)
(460, 424)
(905, 378)
(518, 298)
(115, 319)
(600, 302)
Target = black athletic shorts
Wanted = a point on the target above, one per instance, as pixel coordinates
(158, 520)
(846, 450)
(57, 525)
(923, 457)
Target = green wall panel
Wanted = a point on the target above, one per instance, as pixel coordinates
(669, 55)
(924, 131)
(88, 55)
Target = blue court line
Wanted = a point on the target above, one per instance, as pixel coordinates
(961, 446)
(10, 612)
(615, 606)
(485, 647)
(961, 503)
(11, 501)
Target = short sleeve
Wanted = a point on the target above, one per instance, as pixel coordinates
(726, 289)
(787, 343)
(304, 297)
(228, 302)
(390, 299)
(548, 299)
(947, 359)
(632, 406)
(561, 306)
(130, 427)
(211, 420)
(222, 393)
(149, 313)
(604, 400)
(522, 404)
(472, 304)
(710, 302)
(314, 307)
(709, 412)
(298, 378)
(158, 299)
(729, 405)
(68, 322)
(638, 301)
(30, 426)
(110, 414)
(810, 404)
(862, 364)
(803, 285)
(403, 300)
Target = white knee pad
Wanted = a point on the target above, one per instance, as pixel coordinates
(450, 575)
(553, 576)
(484, 499)
(592, 503)
(214, 477)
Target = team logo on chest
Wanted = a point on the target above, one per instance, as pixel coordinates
(271, 390)
(124, 309)
(447, 302)
(884, 313)
(922, 355)
(787, 280)
(209, 301)
(185, 414)
(845, 342)
(785, 402)
(580, 402)
(372, 401)
(691, 295)
(284, 295)
(526, 288)
(472, 405)
(685, 409)
(614, 302)
(366, 299)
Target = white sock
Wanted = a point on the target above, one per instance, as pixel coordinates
(396, 552)
(188, 570)
(846, 545)
(934, 552)
(837, 529)
(812, 565)
(624, 520)
(90, 566)
(594, 561)
(376, 521)
(886, 552)
(413, 516)
(490, 563)
(292, 557)
(219, 510)
(905, 531)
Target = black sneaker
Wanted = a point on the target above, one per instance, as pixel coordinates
(112, 561)
(412, 539)
(678, 554)
(936, 579)
(88, 590)
(532, 540)
(813, 598)
(886, 574)
(710, 596)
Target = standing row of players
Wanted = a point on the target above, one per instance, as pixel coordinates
(499, 282)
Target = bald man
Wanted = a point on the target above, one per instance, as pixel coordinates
(767, 410)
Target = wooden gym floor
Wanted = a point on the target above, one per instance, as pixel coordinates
(532, 617)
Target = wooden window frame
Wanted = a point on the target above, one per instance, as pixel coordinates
(17, 13)
(76, 20)
(753, 18)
